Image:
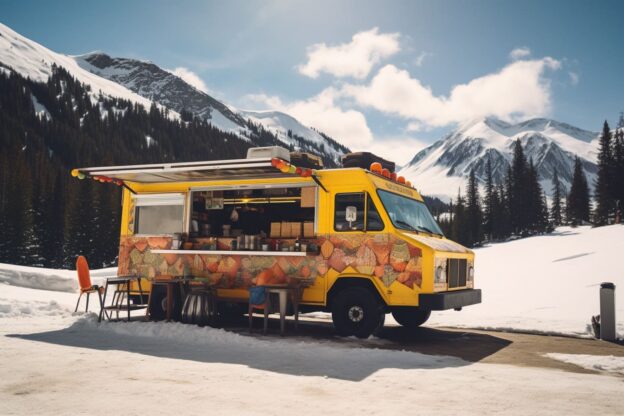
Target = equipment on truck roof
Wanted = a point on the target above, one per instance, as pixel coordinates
(268, 152)
(364, 160)
(306, 160)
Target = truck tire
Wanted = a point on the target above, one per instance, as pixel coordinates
(158, 303)
(410, 317)
(357, 311)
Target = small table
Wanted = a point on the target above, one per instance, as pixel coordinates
(284, 292)
(169, 283)
(116, 303)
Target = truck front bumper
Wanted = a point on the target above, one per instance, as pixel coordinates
(449, 300)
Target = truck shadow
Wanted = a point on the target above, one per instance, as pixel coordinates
(313, 350)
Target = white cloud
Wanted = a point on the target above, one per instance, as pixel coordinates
(400, 150)
(520, 53)
(189, 77)
(354, 59)
(414, 126)
(518, 90)
(574, 78)
(349, 127)
(418, 61)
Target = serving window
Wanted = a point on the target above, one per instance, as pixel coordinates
(159, 214)
(271, 212)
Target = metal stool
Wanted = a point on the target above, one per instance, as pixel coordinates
(198, 307)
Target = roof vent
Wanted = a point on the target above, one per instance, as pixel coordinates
(268, 152)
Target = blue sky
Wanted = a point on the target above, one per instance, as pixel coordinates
(387, 76)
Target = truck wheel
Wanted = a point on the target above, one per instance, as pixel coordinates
(356, 311)
(158, 303)
(411, 317)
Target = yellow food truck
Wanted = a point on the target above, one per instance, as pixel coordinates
(361, 239)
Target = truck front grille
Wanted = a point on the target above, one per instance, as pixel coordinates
(456, 271)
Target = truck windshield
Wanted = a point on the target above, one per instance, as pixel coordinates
(408, 214)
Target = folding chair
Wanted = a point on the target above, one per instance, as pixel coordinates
(84, 280)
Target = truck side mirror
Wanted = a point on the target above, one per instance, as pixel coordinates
(351, 214)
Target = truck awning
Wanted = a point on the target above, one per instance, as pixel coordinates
(189, 171)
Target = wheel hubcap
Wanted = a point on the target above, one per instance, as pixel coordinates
(356, 313)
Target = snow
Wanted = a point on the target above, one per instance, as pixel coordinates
(432, 180)
(149, 141)
(546, 284)
(606, 363)
(279, 123)
(55, 361)
(40, 110)
(35, 61)
(499, 135)
(48, 279)
(223, 123)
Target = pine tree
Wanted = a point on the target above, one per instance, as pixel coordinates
(505, 225)
(518, 203)
(545, 225)
(46, 216)
(604, 184)
(474, 215)
(488, 203)
(556, 212)
(618, 174)
(459, 220)
(535, 202)
(577, 207)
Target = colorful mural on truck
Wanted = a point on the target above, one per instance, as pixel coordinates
(384, 256)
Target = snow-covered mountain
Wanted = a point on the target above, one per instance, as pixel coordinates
(163, 87)
(144, 82)
(32, 60)
(442, 168)
(156, 84)
(290, 131)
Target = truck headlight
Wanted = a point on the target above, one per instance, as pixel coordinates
(440, 275)
(471, 273)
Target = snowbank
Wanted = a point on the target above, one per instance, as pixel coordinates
(11, 308)
(546, 284)
(20, 302)
(48, 279)
(606, 363)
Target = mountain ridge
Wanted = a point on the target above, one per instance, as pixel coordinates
(145, 83)
(151, 81)
(443, 167)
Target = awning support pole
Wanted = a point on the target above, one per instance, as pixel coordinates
(318, 182)
(128, 188)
